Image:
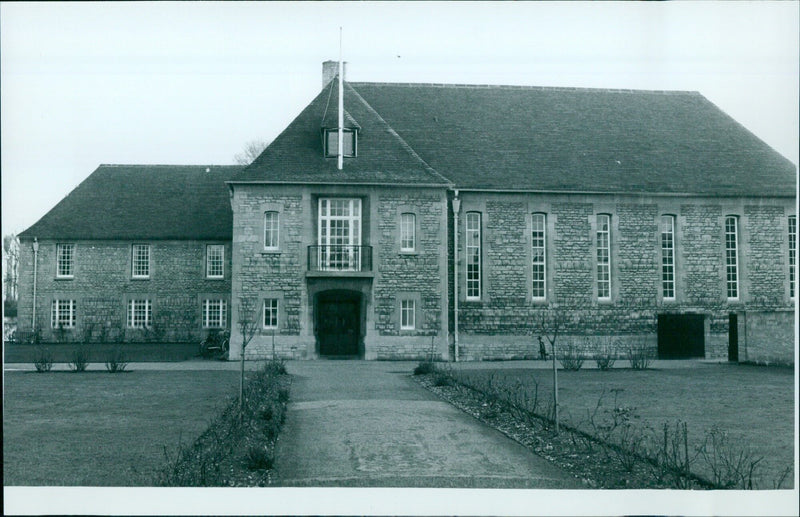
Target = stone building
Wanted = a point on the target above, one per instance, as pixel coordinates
(462, 216)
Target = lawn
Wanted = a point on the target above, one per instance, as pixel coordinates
(101, 429)
(753, 404)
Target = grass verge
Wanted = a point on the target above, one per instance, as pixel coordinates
(613, 444)
(237, 449)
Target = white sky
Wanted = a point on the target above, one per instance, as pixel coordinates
(191, 83)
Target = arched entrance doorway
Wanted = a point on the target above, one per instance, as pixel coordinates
(338, 322)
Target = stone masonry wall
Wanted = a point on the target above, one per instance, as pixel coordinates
(415, 275)
(102, 286)
(503, 323)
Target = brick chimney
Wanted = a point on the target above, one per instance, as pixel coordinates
(329, 71)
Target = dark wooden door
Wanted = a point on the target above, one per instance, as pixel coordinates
(338, 326)
(733, 337)
(681, 336)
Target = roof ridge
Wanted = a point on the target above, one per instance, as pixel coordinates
(394, 133)
(527, 87)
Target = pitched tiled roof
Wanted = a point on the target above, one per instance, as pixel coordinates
(534, 138)
(182, 202)
(296, 155)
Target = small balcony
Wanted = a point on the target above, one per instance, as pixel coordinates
(340, 259)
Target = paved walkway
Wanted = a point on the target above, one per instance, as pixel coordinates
(357, 423)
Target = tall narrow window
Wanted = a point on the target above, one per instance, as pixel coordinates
(271, 230)
(140, 261)
(603, 257)
(63, 314)
(473, 255)
(539, 255)
(407, 316)
(215, 261)
(668, 257)
(215, 313)
(407, 232)
(792, 254)
(731, 257)
(271, 313)
(65, 258)
(339, 235)
(140, 313)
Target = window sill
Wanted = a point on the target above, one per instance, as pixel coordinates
(215, 278)
(408, 253)
(139, 278)
(60, 278)
(271, 252)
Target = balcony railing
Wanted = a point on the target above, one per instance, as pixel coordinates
(340, 258)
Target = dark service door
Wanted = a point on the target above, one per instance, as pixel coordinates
(681, 336)
(338, 326)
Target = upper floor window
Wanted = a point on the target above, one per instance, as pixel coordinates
(473, 248)
(140, 314)
(63, 314)
(604, 257)
(140, 261)
(732, 257)
(332, 142)
(668, 257)
(65, 260)
(792, 254)
(407, 315)
(539, 255)
(215, 261)
(271, 230)
(339, 235)
(214, 313)
(271, 313)
(407, 232)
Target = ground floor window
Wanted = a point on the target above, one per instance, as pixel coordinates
(407, 316)
(63, 314)
(140, 313)
(214, 313)
(271, 313)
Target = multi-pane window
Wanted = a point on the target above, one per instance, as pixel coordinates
(215, 261)
(65, 260)
(407, 232)
(603, 256)
(339, 234)
(348, 142)
(140, 261)
(668, 257)
(539, 255)
(63, 314)
(140, 313)
(731, 257)
(271, 313)
(271, 230)
(473, 246)
(792, 254)
(215, 313)
(407, 316)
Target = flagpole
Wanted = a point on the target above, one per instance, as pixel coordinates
(341, 104)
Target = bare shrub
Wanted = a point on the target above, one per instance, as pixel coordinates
(640, 356)
(80, 358)
(606, 355)
(730, 466)
(116, 362)
(43, 359)
(259, 457)
(571, 358)
(424, 368)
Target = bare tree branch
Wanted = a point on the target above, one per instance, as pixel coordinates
(251, 151)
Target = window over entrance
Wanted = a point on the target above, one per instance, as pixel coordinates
(339, 234)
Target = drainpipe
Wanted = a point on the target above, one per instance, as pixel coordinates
(35, 262)
(456, 208)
